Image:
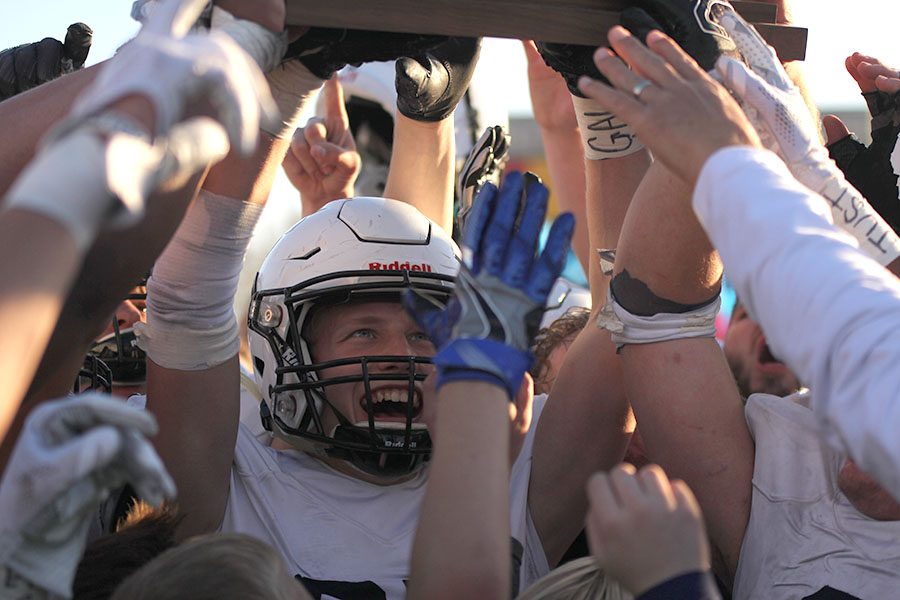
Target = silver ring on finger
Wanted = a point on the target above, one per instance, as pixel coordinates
(639, 87)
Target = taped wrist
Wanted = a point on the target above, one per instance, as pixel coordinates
(96, 173)
(649, 319)
(604, 135)
(265, 47)
(292, 85)
(191, 324)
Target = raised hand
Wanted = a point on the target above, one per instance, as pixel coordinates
(485, 331)
(780, 114)
(323, 50)
(869, 168)
(69, 456)
(550, 97)
(644, 529)
(430, 84)
(693, 25)
(322, 161)
(683, 113)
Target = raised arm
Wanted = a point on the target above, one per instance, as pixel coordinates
(584, 424)
(423, 158)
(666, 283)
(483, 338)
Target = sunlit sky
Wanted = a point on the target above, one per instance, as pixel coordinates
(836, 29)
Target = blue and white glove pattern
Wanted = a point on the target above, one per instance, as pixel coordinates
(486, 330)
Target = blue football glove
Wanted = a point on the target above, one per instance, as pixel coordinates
(486, 330)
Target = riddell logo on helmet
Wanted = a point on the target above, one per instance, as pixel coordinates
(399, 266)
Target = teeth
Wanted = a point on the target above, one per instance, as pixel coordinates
(394, 395)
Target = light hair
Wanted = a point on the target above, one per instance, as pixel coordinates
(579, 579)
(221, 566)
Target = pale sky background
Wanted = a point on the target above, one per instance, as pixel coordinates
(837, 28)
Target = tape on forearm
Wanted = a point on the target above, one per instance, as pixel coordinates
(604, 135)
(191, 324)
(853, 213)
(292, 85)
(264, 46)
(628, 328)
(83, 181)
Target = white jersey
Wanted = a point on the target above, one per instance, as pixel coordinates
(829, 311)
(803, 532)
(342, 537)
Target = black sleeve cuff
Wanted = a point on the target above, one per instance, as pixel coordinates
(698, 585)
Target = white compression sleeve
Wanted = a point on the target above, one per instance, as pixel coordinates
(831, 312)
(190, 320)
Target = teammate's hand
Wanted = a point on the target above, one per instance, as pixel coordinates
(693, 25)
(180, 73)
(780, 115)
(322, 161)
(430, 84)
(551, 101)
(486, 330)
(643, 529)
(869, 168)
(268, 13)
(323, 50)
(69, 456)
(684, 114)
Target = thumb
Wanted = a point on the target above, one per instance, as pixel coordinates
(192, 145)
(88, 452)
(835, 129)
(411, 77)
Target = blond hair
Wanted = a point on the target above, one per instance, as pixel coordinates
(219, 566)
(579, 579)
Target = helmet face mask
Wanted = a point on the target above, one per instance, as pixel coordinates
(299, 389)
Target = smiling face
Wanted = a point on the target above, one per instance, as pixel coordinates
(755, 368)
(360, 329)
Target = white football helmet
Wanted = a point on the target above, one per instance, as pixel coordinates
(360, 248)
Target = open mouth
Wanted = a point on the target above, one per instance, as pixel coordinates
(764, 355)
(392, 404)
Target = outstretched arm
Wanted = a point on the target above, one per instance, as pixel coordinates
(683, 394)
(483, 338)
(585, 422)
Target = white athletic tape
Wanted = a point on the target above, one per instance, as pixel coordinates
(190, 320)
(627, 328)
(604, 134)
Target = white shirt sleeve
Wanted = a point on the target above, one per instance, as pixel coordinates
(830, 312)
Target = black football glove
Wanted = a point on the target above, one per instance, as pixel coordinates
(693, 25)
(324, 50)
(869, 168)
(430, 84)
(571, 61)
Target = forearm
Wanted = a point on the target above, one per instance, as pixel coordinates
(40, 260)
(830, 312)
(584, 425)
(565, 161)
(461, 548)
(422, 168)
(28, 116)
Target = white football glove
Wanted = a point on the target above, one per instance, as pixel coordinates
(98, 167)
(70, 455)
(778, 111)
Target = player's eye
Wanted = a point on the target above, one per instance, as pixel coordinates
(363, 333)
(419, 337)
